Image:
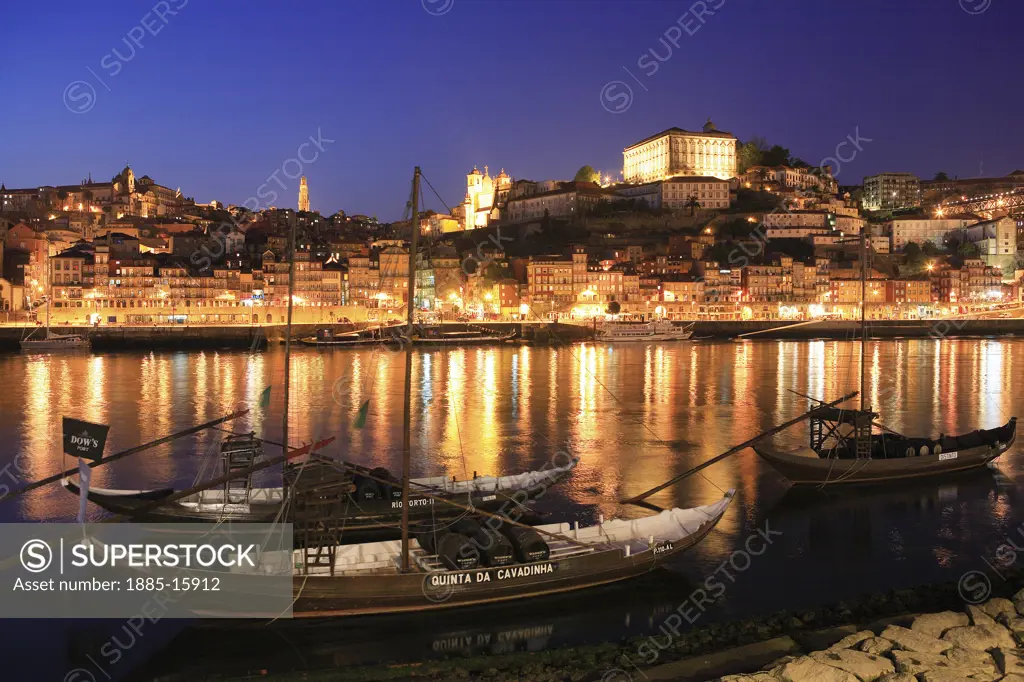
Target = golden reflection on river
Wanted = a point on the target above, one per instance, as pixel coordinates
(636, 414)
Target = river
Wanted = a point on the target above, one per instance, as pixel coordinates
(636, 415)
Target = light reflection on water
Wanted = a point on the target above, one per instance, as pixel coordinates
(637, 415)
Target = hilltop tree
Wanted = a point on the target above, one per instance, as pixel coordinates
(749, 154)
(941, 176)
(776, 156)
(693, 204)
(587, 174)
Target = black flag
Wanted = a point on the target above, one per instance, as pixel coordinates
(84, 439)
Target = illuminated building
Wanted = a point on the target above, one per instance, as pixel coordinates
(484, 197)
(891, 191)
(922, 229)
(676, 151)
(303, 195)
(676, 193)
(571, 200)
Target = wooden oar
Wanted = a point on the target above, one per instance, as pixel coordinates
(734, 450)
(220, 480)
(124, 453)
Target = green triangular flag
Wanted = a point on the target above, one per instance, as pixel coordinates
(265, 398)
(361, 416)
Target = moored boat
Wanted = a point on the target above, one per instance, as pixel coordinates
(656, 330)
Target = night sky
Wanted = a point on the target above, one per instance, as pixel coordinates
(226, 91)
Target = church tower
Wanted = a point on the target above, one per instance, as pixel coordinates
(303, 195)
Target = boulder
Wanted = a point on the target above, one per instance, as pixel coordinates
(876, 645)
(997, 605)
(752, 677)
(980, 637)
(1018, 602)
(806, 669)
(914, 662)
(956, 675)
(1008, 661)
(850, 641)
(969, 657)
(866, 667)
(934, 624)
(979, 617)
(912, 640)
(897, 677)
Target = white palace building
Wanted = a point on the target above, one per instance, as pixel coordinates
(675, 152)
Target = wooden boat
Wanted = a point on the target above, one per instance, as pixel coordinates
(367, 578)
(846, 450)
(434, 336)
(328, 337)
(365, 508)
(427, 336)
(892, 457)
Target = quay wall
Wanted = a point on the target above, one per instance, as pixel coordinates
(257, 337)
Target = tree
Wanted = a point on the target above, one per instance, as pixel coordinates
(749, 155)
(776, 156)
(968, 250)
(693, 204)
(587, 174)
(613, 308)
(941, 176)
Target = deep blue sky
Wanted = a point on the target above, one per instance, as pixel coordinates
(227, 90)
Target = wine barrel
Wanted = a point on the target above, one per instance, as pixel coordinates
(936, 449)
(428, 534)
(924, 450)
(388, 491)
(495, 548)
(527, 542)
(457, 552)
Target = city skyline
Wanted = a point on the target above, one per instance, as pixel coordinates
(557, 120)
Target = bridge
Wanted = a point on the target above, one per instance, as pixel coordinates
(989, 205)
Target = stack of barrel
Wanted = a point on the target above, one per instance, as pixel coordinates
(467, 543)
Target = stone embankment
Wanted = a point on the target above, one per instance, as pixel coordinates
(984, 643)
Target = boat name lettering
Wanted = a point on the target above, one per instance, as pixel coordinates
(488, 498)
(947, 455)
(524, 571)
(422, 502)
(658, 549)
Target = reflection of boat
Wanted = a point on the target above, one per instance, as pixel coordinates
(658, 330)
(230, 649)
(844, 448)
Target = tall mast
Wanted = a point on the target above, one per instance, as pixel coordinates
(863, 307)
(407, 424)
(288, 333)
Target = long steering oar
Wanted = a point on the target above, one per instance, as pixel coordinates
(124, 453)
(734, 450)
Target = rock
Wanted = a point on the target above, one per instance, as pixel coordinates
(1013, 678)
(993, 607)
(979, 617)
(817, 640)
(1008, 661)
(934, 624)
(876, 645)
(866, 667)
(911, 640)
(752, 677)
(969, 657)
(1018, 602)
(980, 637)
(897, 677)
(779, 662)
(956, 675)
(806, 669)
(914, 662)
(850, 641)
(1015, 624)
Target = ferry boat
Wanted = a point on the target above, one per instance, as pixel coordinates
(659, 330)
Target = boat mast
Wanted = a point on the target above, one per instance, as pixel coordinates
(863, 306)
(407, 422)
(288, 332)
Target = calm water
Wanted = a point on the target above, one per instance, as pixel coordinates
(636, 415)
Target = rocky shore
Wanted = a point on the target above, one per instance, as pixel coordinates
(983, 642)
(880, 625)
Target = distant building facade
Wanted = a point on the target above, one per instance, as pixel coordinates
(675, 152)
(891, 191)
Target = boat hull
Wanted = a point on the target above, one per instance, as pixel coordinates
(821, 471)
